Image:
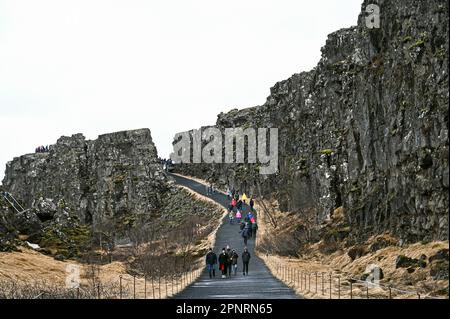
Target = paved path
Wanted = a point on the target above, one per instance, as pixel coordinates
(259, 284)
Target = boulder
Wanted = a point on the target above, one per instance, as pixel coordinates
(381, 242)
(439, 270)
(357, 252)
(45, 209)
(27, 222)
(440, 255)
(407, 262)
(373, 273)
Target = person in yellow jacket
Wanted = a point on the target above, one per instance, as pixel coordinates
(244, 198)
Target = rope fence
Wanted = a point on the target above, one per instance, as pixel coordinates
(338, 286)
(124, 287)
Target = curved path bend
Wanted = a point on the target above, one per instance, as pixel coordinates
(259, 284)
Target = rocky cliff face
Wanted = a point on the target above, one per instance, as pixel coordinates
(112, 177)
(367, 129)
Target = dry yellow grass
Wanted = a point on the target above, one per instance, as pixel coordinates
(30, 266)
(340, 264)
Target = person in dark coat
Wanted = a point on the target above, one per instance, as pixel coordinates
(234, 261)
(211, 261)
(245, 260)
(230, 261)
(239, 205)
(252, 203)
(223, 262)
(254, 229)
(245, 232)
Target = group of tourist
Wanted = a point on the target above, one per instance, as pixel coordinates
(228, 258)
(210, 189)
(248, 224)
(167, 164)
(228, 262)
(42, 149)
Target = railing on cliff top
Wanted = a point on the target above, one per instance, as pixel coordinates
(13, 202)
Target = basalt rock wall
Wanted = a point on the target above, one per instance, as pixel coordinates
(366, 129)
(114, 176)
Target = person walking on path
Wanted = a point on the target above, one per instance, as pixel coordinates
(233, 203)
(254, 228)
(230, 216)
(211, 261)
(245, 260)
(230, 261)
(245, 232)
(252, 203)
(238, 216)
(235, 261)
(239, 205)
(229, 193)
(223, 262)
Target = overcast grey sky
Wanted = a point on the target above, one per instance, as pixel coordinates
(99, 66)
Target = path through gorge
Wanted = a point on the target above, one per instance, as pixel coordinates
(259, 284)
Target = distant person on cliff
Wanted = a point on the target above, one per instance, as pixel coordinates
(234, 261)
(211, 261)
(245, 260)
(223, 262)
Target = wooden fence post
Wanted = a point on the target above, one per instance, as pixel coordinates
(351, 289)
(120, 286)
(134, 287)
(316, 282)
(339, 287)
(330, 286)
